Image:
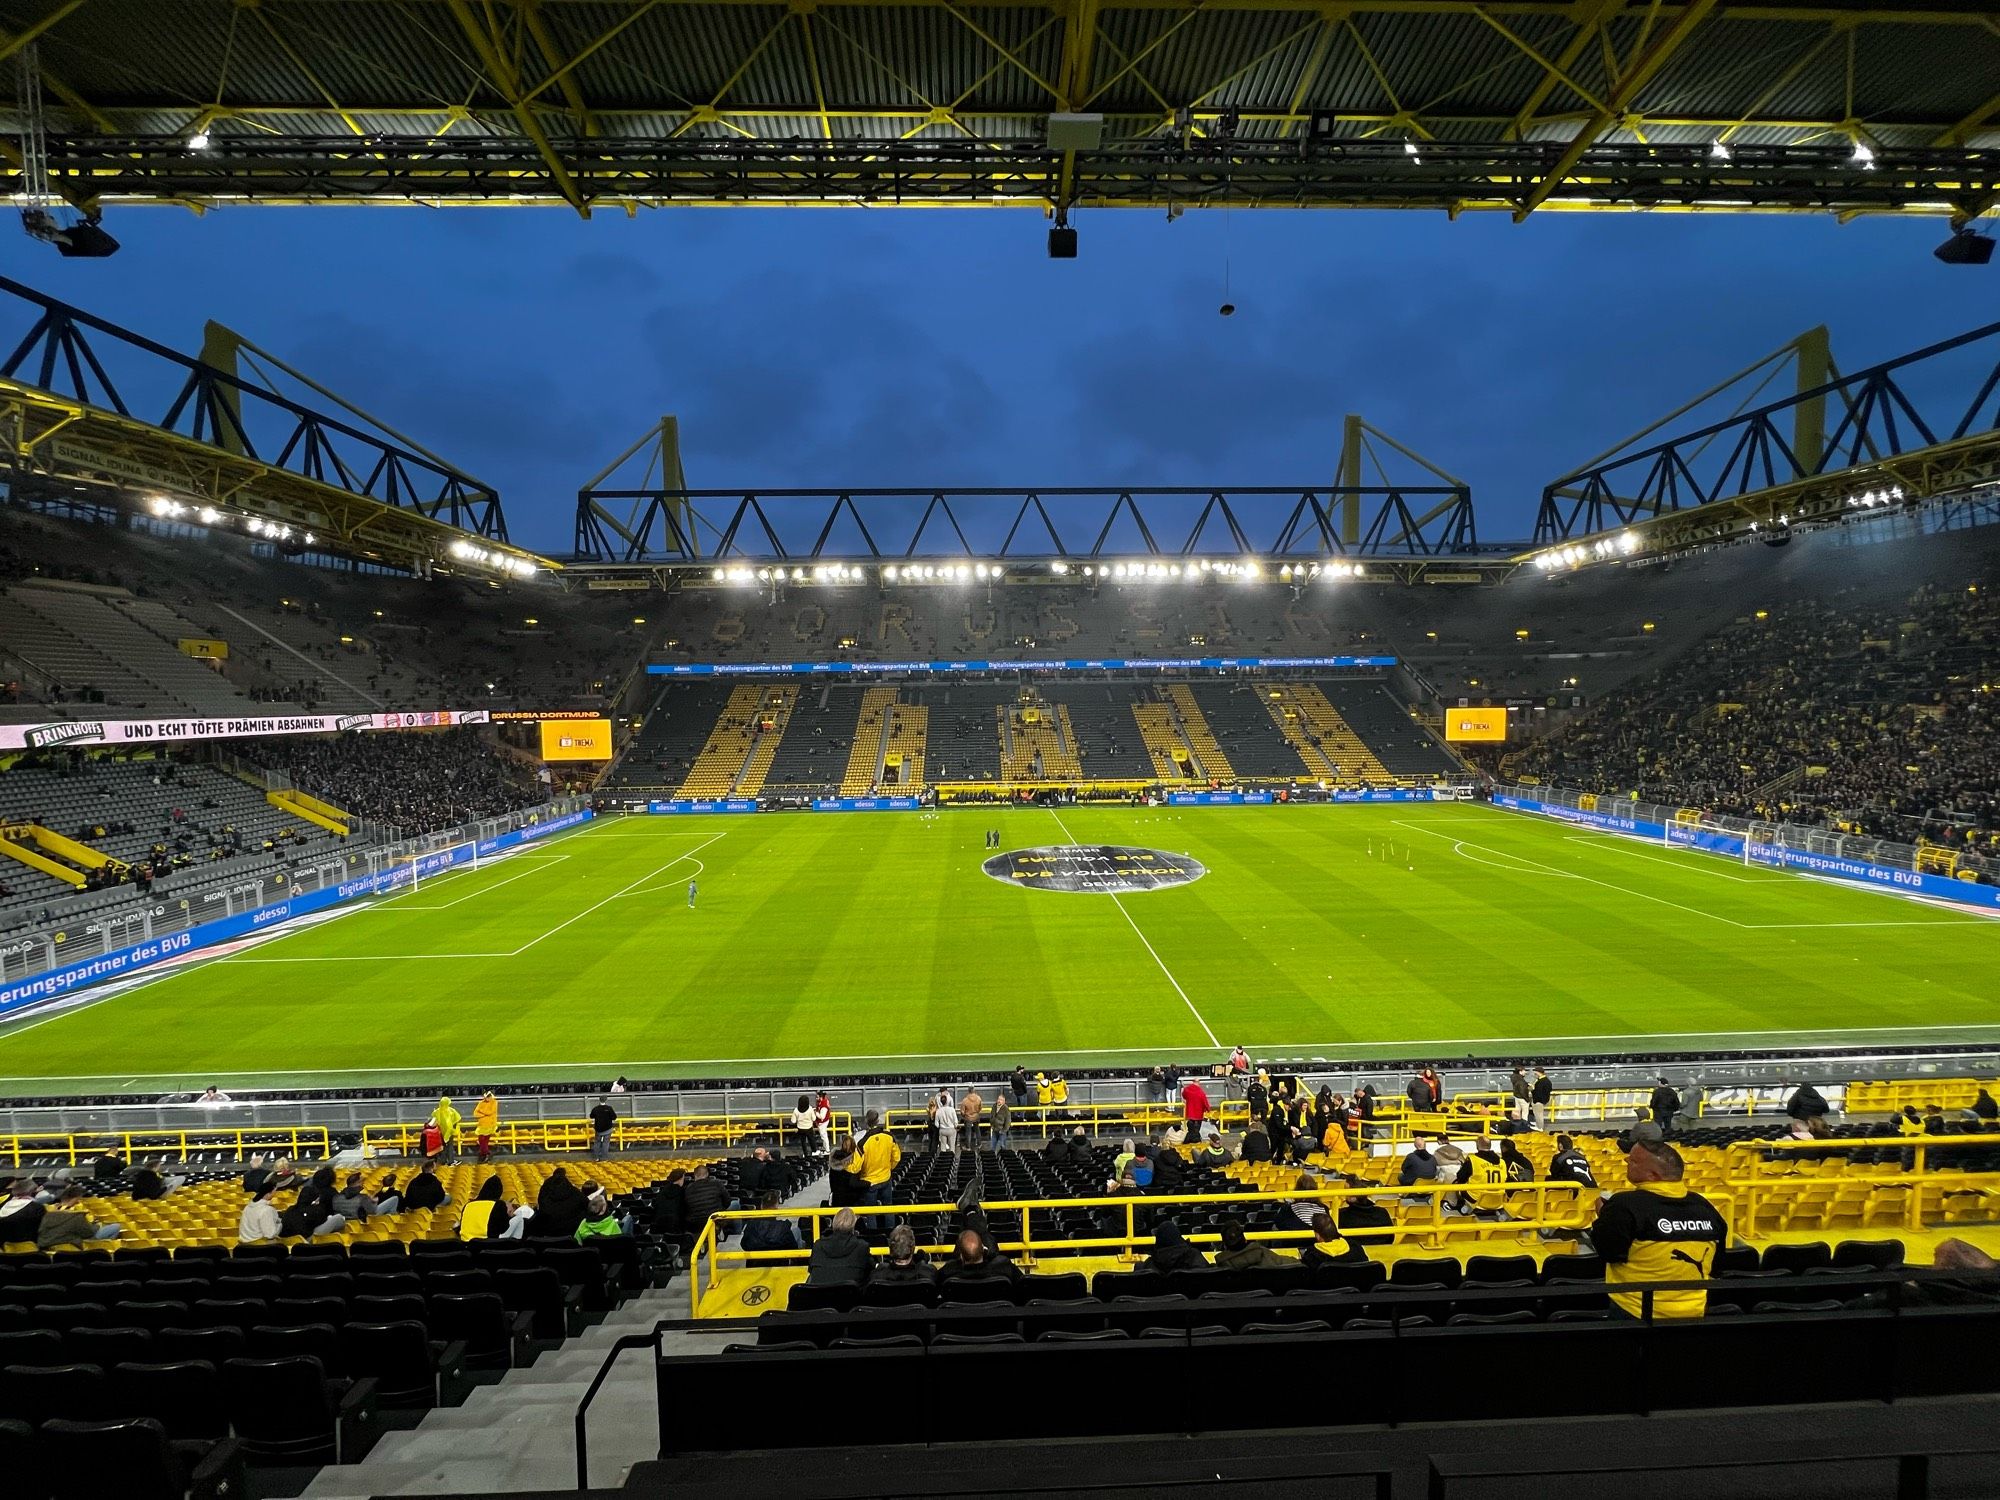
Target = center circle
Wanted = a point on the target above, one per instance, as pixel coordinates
(1093, 869)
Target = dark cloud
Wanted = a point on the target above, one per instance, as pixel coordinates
(811, 349)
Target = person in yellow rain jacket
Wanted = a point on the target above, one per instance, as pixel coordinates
(486, 1123)
(450, 1124)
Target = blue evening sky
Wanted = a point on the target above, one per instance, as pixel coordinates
(854, 347)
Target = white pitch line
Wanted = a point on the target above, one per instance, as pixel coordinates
(617, 893)
(1547, 869)
(397, 906)
(1142, 938)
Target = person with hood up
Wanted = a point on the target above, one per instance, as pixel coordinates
(485, 1124)
(1240, 1253)
(839, 1256)
(1172, 1252)
(451, 1125)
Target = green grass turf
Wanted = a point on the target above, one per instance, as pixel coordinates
(874, 940)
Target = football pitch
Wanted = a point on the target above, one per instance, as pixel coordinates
(825, 943)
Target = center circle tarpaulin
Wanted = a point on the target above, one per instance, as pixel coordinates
(1093, 869)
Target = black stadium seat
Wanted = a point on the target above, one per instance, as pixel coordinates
(289, 1411)
(185, 1397)
(407, 1368)
(134, 1459)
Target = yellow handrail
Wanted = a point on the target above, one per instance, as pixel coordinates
(304, 1142)
(1557, 1205)
(671, 1131)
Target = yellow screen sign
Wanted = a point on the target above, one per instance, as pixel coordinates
(1475, 723)
(576, 739)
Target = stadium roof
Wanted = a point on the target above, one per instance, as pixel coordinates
(1513, 105)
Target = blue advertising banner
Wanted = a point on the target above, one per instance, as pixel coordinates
(1220, 799)
(1770, 856)
(1386, 794)
(706, 805)
(124, 961)
(1069, 664)
(866, 804)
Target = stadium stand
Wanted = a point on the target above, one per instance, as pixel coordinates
(1384, 732)
(871, 732)
(1245, 731)
(963, 729)
(155, 827)
(662, 754)
(1866, 709)
(813, 754)
(1104, 730)
(97, 611)
(413, 783)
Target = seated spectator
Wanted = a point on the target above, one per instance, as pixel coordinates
(559, 1208)
(1300, 1212)
(1238, 1253)
(1123, 1159)
(260, 1220)
(148, 1184)
(353, 1203)
(69, 1221)
(1169, 1167)
(839, 1256)
(599, 1219)
(312, 1212)
(489, 1216)
(904, 1266)
(1363, 1213)
(762, 1173)
(109, 1164)
(1328, 1248)
(1419, 1165)
(387, 1199)
(1256, 1142)
(705, 1199)
(769, 1234)
(22, 1213)
(670, 1204)
(1172, 1252)
(425, 1191)
(1570, 1165)
(1658, 1231)
(1984, 1108)
(1517, 1166)
(974, 1260)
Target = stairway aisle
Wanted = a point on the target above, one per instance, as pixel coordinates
(517, 1434)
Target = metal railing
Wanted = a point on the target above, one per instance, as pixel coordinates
(305, 1142)
(1557, 1206)
(562, 1135)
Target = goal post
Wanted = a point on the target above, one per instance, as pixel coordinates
(439, 861)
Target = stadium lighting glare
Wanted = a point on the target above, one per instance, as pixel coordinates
(198, 141)
(208, 515)
(1059, 568)
(889, 573)
(1718, 150)
(1863, 158)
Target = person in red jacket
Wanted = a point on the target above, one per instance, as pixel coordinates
(1194, 1099)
